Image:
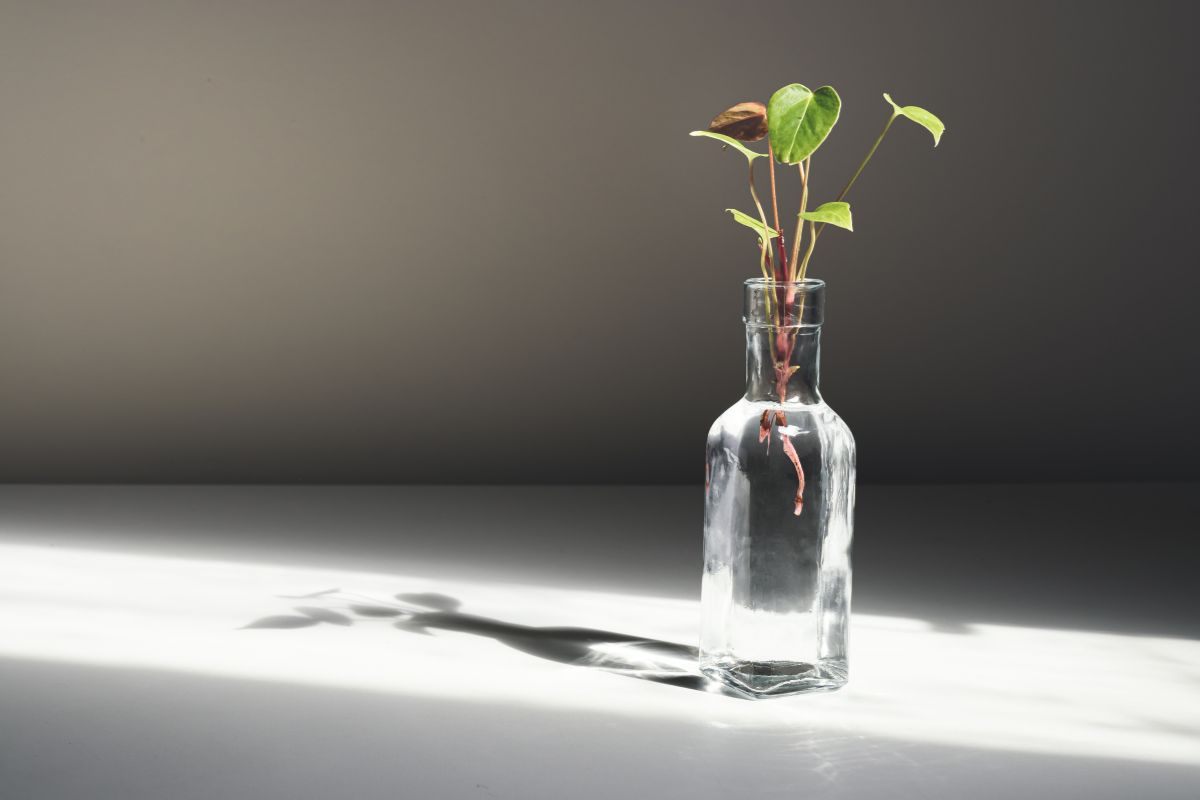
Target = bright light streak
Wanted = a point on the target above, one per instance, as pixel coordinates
(993, 686)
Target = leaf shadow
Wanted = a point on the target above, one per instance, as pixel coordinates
(639, 657)
(280, 622)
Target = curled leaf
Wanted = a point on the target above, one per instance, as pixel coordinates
(920, 116)
(734, 143)
(799, 120)
(764, 231)
(746, 122)
(836, 213)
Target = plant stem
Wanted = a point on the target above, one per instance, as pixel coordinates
(871, 152)
(846, 189)
(812, 242)
(762, 215)
(804, 168)
(764, 244)
(783, 262)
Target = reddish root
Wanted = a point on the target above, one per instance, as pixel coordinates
(790, 450)
(764, 435)
(764, 429)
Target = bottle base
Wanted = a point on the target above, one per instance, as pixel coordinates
(763, 679)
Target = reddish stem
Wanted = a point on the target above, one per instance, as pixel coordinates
(785, 345)
(782, 272)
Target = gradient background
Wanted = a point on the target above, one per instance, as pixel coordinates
(249, 241)
(471, 241)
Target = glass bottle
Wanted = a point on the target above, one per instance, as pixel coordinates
(778, 511)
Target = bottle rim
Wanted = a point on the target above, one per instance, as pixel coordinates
(807, 283)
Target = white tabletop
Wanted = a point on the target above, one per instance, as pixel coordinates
(176, 643)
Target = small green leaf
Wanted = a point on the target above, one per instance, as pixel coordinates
(729, 140)
(753, 224)
(836, 213)
(920, 116)
(798, 120)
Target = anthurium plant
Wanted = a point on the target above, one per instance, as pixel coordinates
(796, 122)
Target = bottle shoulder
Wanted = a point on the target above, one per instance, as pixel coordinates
(747, 409)
(746, 415)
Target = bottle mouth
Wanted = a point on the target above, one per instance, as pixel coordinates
(784, 304)
(808, 284)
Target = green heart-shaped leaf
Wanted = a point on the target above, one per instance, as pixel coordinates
(920, 116)
(785, 112)
(729, 140)
(763, 231)
(798, 120)
(836, 213)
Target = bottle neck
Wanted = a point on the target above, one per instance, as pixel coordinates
(783, 364)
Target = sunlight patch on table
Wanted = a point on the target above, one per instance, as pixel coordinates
(988, 686)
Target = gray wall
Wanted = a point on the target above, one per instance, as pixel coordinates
(284, 241)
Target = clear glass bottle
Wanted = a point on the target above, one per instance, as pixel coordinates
(778, 511)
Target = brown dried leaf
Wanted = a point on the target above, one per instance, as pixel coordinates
(746, 122)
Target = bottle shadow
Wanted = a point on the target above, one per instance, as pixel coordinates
(425, 613)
